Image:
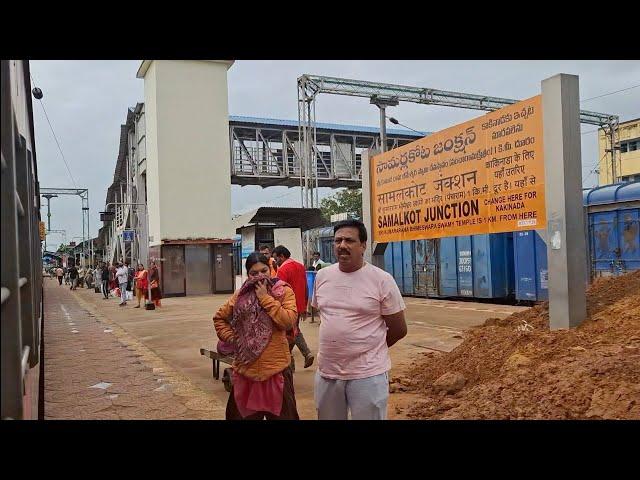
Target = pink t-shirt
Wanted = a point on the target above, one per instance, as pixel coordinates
(353, 334)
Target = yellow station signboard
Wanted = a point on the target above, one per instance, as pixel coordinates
(482, 176)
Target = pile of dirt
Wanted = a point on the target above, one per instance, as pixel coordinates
(516, 368)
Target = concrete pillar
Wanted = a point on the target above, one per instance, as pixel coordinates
(375, 251)
(366, 202)
(566, 245)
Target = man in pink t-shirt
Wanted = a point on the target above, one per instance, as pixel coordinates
(362, 315)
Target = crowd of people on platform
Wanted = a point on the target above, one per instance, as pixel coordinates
(361, 316)
(114, 280)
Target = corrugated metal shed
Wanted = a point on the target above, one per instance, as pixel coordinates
(282, 217)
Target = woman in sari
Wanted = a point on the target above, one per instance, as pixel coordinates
(141, 284)
(154, 278)
(254, 322)
(113, 283)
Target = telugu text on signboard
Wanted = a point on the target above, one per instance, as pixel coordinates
(482, 176)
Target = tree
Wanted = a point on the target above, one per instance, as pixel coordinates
(345, 201)
(64, 248)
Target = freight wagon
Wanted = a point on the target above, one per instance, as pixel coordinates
(612, 219)
(513, 265)
(21, 259)
(474, 266)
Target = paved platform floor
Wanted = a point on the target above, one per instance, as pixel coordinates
(95, 370)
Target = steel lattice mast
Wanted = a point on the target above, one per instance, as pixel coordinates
(309, 86)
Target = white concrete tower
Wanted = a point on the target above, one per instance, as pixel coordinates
(187, 143)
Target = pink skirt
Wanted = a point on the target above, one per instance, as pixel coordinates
(252, 396)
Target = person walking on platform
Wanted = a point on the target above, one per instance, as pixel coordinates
(318, 263)
(113, 281)
(141, 283)
(73, 277)
(104, 276)
(132, 276)
(88, 277)
(362, 315)
(295, 275)
(154, 280)
(81, 275)
(122, 275)
(273, 266)
(97, 275)
(255, 320)
(59, 274)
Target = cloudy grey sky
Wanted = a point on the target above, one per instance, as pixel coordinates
(87, 101)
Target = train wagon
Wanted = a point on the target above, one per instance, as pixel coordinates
(21, 257)
(474, 266)
(612, 216)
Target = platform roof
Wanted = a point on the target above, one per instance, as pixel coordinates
(335, 127)
(281, 217)
(617, 192)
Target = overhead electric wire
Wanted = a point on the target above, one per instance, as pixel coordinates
(594, 168)
(55, 137)
(610, 93)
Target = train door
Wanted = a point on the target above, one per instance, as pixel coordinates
(629, 238)
(426, 268)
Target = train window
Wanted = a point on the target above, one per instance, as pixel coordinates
(21, 259)
(25, 267)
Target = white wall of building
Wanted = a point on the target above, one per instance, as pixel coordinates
(140, 168)
(290, 238)
(187, 149)
(151, 150)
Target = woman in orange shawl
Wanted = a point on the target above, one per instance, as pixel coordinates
(253, 322)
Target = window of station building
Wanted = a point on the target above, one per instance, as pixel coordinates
(630, 145)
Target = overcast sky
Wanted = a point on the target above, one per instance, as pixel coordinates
(87, 101)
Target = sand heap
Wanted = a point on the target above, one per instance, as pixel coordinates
(516, 368)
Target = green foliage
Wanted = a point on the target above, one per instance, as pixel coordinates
(345, 201)
(64, 248)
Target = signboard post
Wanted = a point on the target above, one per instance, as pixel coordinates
(566, 244)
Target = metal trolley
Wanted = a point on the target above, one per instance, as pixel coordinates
(218, 358)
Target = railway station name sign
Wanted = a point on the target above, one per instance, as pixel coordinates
(482, 176)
